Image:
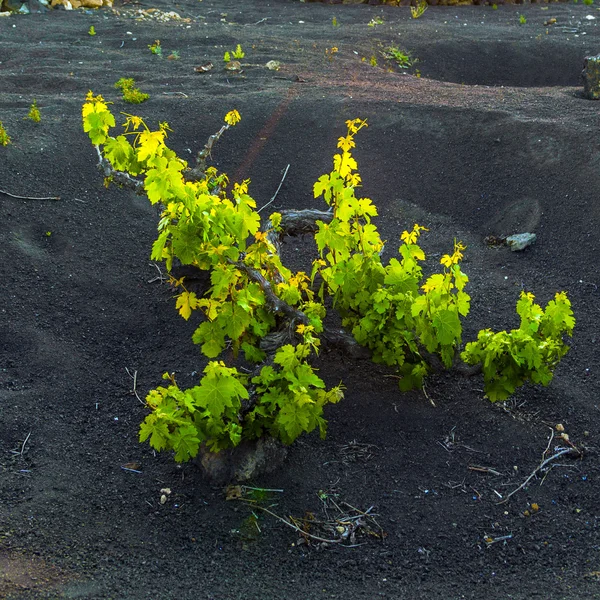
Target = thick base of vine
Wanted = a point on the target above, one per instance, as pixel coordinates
(244, 462)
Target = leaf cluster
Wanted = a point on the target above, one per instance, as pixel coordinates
(284, 400)
(34, 113)
(529, 353)
(4, 137)
(386, 307)
(205, 225)
(131, 94)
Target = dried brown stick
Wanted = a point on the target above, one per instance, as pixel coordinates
(298, 529)
(28, 197)
(561, 452)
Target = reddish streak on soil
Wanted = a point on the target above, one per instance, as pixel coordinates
(264, 134)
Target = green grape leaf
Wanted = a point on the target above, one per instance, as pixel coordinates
(119, 152)
(96, 125)
(185, 243)
(216, 393)
(294, 419)
(186, 443)
(236, 320)
(159, 245)
(463, 303)
(252, 353)
(157, 430)
(286, 357)
(447, 326)
(322, 186)
(212, 338)
(303, 377)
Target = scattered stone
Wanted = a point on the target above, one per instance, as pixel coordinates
(242, 463)
(520, 241)
(234, 65)
(205, 68)
(591, 77)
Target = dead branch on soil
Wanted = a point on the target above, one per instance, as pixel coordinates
(25, 443)
(28, 197)
(573, 452)
(340, 529)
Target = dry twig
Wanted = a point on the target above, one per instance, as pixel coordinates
(28, 197)
(24, 443)
(134, 390)
(277, 190)
(561, 452)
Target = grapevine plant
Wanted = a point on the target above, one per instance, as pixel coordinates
(275, 317)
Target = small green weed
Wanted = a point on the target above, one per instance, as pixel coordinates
(91, 30)
(4, 139)
(238, 54)
(156, 48)
(419, 9)
(131, 94)
(401, 57)
(522, 19)
(375, 21)
(34, 113)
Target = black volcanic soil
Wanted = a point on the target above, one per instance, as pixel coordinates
(487, 134)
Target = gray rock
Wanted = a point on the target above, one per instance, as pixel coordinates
(520, 241)
(242, 463)
(591, 77)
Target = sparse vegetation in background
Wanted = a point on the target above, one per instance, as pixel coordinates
(34, 113)
(331, 52)
(130, 93)
(236, 54)
(402, 58)
(419, 9)
(156, 48)
(4, 138)
(375, 21)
